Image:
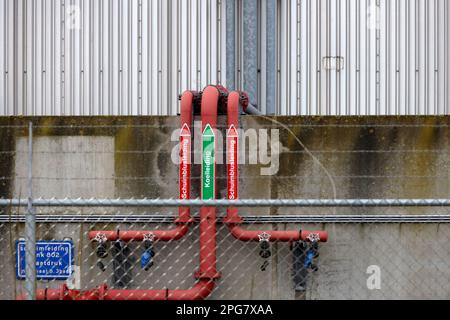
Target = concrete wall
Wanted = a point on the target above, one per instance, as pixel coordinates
(382, 157)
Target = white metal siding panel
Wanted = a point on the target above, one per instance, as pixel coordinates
(396, 57)
(133, 57)
(107, 57)
(397, 66)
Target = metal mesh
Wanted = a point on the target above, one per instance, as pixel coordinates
(95, 177)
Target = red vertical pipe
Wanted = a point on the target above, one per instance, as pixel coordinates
(209, 107)
(186, 114)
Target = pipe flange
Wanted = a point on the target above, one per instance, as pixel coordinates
(313, 237)
(100, 238)
(264, 237)
(149, 237)
(102, 290)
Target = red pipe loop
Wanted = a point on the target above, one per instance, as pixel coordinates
(130, 235)
(233, 219)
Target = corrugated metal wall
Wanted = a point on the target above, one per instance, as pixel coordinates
(107, 57)
(394, 57)
(115, 57)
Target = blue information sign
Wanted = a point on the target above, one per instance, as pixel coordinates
(54, 259)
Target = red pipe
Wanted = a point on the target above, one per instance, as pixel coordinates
(201, 290)
(207, 272)
(283, 236)
(211, 96)
(184, 216)
(232, 218)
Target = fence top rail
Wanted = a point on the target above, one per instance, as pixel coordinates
(227, 203)
(151, 218)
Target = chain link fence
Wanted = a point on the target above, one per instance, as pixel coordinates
(380, 191)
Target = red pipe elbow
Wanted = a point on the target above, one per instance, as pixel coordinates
(184, 217)
(233, 219)
(200, 291)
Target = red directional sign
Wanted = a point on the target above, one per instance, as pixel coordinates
(232, 163)
(185, 162)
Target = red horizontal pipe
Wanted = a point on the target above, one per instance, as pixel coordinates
(130, 235)
(283, 236)
(199, 291)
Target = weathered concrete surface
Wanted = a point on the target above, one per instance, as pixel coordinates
(385, 157)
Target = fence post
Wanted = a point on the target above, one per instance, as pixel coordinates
(30, 227)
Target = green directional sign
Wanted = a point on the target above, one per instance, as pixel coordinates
(208, 161)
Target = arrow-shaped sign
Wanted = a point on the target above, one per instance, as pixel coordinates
(208, 163)
(185, 162)
(232, 160)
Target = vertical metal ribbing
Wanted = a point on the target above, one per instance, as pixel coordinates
(110, 60)
(82, 61)
(259, 48)
(139, 46)
(358, 59)
(378, 62)
(338, 54)
(198, 75)
(318, 59)
(278, 59)
(91, 59)
(208, 43)
(407, 58)
(298, 68)
(266, 48)
(287, 63)
(271, 59)
(328, 53)
(218, 43)
(188, 46)
(168, 65)
(348, 58)
(72, 58)
(15, 57)
(159, 58)
(120, 103)
(367, 50)
(436, 57)
(24, 58)
(412, 26)
(397, 57)
(43, 104)
(129, 58)
(33, 59)
(447, 58)
(5, 109)
(30, 228)
(231, 44)
(100, 57)
(416, 56)
(179, 54)
(63, 59)
(239, 45)
(427, 57)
